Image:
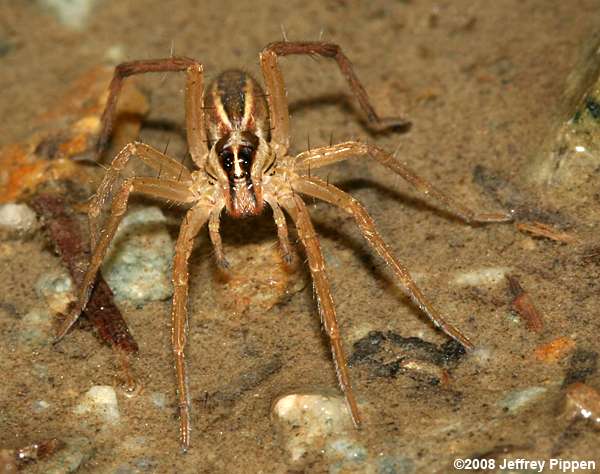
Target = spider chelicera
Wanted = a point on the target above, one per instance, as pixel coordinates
(238, 138)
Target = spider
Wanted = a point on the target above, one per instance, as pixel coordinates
(238, 138)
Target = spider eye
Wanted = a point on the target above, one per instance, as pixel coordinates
(245, 155)
(227, 159)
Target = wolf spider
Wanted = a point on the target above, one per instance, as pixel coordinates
(238, 138)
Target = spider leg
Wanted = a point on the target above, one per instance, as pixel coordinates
(166, 166)
(194, 117)
(278, 108)
(277, 100)
(193, 222)
(323, 156)
(282, 232)
(215, 237)
(319, 189)
(168, 190)
(297, 209)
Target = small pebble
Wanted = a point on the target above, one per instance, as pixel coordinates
(57, 289)
(159, 399)
(76, 452)
(482, 355)
(115, 54)
(482, 276)
(100, 400)
(17, 219)
(40, 371)
(36, 327)
(138, 264)
(314, 423)
(316, 426)
(39, 406)
(71, 13)
(518, 399)
(395, 465)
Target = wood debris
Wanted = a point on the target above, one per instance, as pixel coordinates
(524, 307)
(65, 233)
(539, 229)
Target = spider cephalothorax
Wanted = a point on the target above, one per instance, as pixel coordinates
(238, 138)
(238, 133)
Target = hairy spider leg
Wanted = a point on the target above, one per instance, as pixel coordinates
(319, 189)
(306, 232)
(165, 166)
(275, 86)
(327, 155)
(154, 187)
(193, 222)
(193, 102)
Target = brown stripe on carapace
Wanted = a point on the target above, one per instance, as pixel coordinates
(236, 102)
(231, 90)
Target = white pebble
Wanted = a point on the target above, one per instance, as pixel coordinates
(482, 276)
(17, 218)
(57, 289)
(482, 355)
(40, 405)
(100, 400)
(312, 422)
(36, 327)
(518, 399)
(159, 399)
(138, 263)
(71, 13)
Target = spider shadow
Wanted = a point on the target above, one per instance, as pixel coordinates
(166, 126)
(367, 256)
(415, 201)
(251, 230)
(347, 105)
(172, 134)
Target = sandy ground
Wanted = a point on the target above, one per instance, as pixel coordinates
(482, 83)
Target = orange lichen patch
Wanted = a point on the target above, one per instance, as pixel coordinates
(20, 172)
(539, 229)
(554, 350)
(67, 131)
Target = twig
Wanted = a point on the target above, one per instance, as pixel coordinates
(65, 233)
(539, 229)
(524, 306)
